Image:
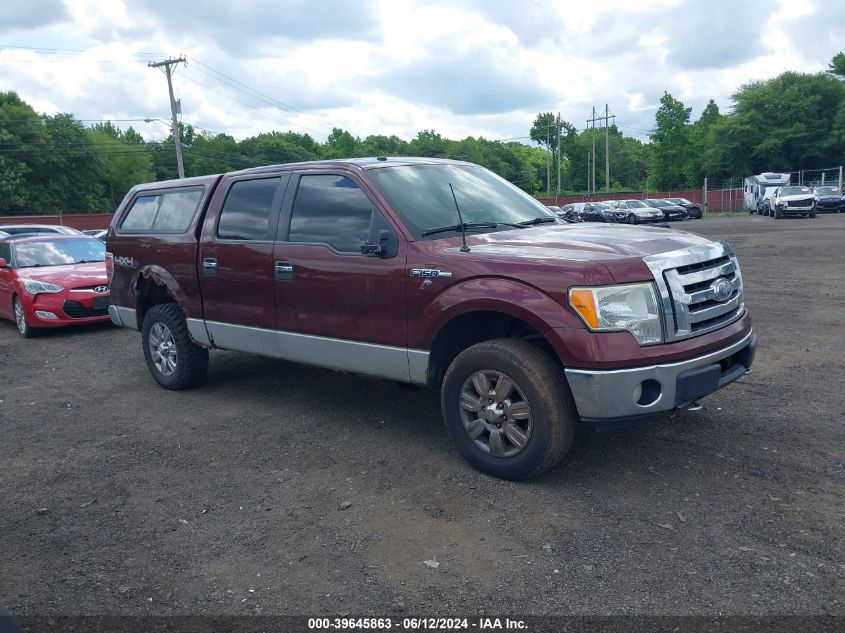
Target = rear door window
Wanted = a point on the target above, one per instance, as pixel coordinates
(246, 212)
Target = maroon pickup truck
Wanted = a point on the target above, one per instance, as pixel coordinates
(435, 273)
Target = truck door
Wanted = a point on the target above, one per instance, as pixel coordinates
(236, 263)
(338, 307)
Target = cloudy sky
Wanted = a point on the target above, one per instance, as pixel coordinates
(461, 67)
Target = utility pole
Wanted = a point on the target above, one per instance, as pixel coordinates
(548, 162)
(558, 157)
(606, 118)
(177, 140)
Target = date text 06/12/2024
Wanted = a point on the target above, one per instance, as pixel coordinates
(412, 624)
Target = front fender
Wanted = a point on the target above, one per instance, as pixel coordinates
(495, 294)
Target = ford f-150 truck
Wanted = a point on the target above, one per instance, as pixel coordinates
(436, 273)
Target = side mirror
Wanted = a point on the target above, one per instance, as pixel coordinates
(380, 247)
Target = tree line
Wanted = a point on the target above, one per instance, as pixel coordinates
(51, 164)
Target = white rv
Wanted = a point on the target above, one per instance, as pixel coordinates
(758, 189)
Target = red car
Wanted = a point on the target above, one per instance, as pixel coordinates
(53, 281)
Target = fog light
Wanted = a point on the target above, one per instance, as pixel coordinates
(647, 393)
(45, 315)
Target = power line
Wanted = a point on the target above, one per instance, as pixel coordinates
(257, 93)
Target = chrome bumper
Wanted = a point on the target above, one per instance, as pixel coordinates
(630, 393)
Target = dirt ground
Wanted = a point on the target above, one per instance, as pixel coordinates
(121, 498)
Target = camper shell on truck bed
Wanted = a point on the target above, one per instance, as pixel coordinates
(437, 273)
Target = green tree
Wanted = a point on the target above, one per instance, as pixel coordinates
(125, 164)
(837, 65)
(671, 149)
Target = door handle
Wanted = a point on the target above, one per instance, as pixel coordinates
(283, 271)
(209, 266)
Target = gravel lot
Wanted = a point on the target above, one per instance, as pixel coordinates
(122, 498)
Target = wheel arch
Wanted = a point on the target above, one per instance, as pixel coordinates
(470, 327)
(154, 285)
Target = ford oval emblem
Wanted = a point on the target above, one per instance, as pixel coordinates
(722, 289)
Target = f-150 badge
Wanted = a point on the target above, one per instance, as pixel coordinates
(429, 273)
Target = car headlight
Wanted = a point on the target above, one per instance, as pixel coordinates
(627, 307)
(35, 287)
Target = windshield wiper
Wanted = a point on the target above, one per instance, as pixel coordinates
(462, 227)
(541, 220)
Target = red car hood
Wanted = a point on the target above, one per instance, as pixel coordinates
(69, 276)
(619, 248)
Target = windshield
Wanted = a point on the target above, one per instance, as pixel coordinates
(827, 191)
(794, 191)
(636, 204)
(662, 203)
(680, 201)
(59, 253)
(601, 205)
(421, 196)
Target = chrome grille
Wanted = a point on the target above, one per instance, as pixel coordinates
(687, 281)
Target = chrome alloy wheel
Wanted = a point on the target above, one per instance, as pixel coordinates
(20, 317)
(495, 413)
(163, 349)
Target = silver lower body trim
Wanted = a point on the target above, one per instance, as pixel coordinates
(123, 317)
(611, 394)
(198, 332)
(382, 361)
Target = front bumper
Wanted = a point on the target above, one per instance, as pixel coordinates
(621, 394)
(68, 307)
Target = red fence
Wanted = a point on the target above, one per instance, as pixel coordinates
(81, 221)
(718, 200)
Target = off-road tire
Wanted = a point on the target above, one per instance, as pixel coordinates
(191, 359)
(552, 410)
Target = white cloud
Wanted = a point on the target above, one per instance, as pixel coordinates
(461, 67)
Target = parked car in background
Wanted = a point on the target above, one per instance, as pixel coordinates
(53, 281)
(670, 210)
(100, 235)
(828, 199)
(637, 211)
(693, 209)
(38, 229)
(792, 201)
(590, 212)
(595, 212)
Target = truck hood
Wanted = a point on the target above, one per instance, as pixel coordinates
(796, 197)
(69, 276)
(619, 248)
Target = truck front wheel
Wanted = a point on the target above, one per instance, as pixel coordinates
(174, 360)
(508, 408)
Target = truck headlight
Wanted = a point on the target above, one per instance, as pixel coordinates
(35, 287)
(628, 307)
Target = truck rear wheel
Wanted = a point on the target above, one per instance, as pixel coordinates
(174, 360)
(508, 408)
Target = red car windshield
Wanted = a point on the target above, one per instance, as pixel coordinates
(58, 253)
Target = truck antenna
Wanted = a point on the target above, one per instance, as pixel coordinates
(464, 248)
